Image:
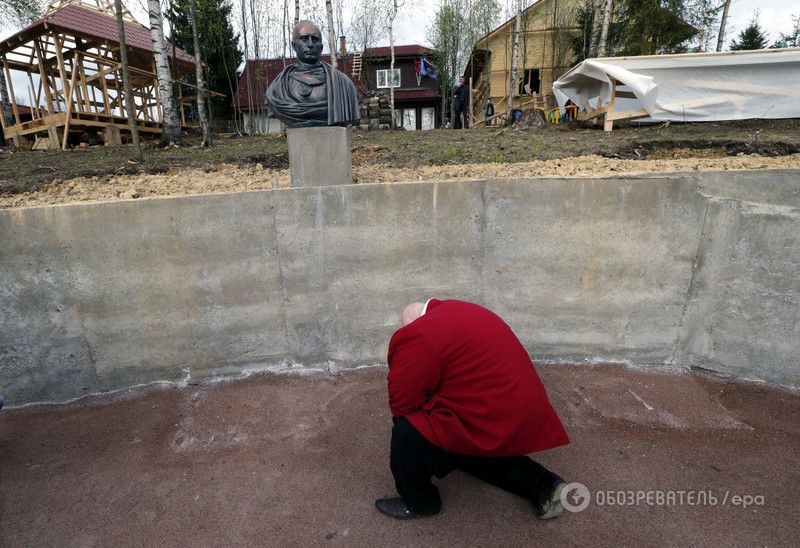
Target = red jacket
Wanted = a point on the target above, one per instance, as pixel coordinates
(463, 379)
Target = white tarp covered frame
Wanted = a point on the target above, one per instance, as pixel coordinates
(690, 87)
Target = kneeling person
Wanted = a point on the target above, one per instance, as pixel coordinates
(464, 395)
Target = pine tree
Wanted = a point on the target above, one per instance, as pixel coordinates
(221, 53)
(752, 37)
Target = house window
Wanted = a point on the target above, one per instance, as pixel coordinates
(383, 78)
(530, 82)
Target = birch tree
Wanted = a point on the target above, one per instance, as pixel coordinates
(296, 11)
(126, 81)
(723, 22)
(394, 8)
(248, 128)
(603, 45)
(512, 80)
(331, 32)
(170, 124)
(201, 84)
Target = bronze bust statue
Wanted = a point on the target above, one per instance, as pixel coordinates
(312, 93)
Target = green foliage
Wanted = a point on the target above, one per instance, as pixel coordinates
(752, 37)
(219, 44)
(791, 40)
(652, 27)
(637, 27)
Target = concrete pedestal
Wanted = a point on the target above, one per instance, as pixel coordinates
(320, 156)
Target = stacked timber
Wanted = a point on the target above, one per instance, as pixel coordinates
(375, 111)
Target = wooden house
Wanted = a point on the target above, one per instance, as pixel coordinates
(545, 53)
(417, 96)
(69, 66)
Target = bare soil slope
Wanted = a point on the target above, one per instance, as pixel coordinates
(259, 162)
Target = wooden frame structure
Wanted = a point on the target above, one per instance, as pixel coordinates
(608, 112)
(69, 61)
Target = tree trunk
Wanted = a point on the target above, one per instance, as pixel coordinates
(512, 80)
(285, 22)
(5, 100)
(722, 23)
(392, 15)
(256, 30)
(703, 25)
(603, 46)
(331, 33)
(248, 127)
(296, 11)
(201, 84)
(126, 82)
(171, 127)
(596, 21)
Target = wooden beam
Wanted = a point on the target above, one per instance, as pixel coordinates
(608, 123)
(69, 106)
(62, 70)
(44, 74)
(78, 65)
(11, 92)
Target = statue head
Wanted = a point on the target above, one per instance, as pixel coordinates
(307, 42)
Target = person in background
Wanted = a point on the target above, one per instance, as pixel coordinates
(461, 102)
(489, 111)
(464, 395)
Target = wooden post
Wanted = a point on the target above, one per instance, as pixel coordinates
(119, 95)
(77, 64)
(11, 92)
(67, 88)
(52, 138)
(44, 77)
(69, 108)
(111, 135)
(180, 103)
(608, 125)
(105, 96)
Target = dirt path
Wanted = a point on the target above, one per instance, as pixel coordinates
(236, 178)
(299, 460)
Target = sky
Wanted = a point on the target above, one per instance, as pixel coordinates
(775, 17)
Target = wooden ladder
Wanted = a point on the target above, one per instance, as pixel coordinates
(357, 63)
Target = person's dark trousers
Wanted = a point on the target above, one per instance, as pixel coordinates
(459, 123)
(414, 460)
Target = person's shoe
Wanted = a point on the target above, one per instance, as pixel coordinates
(396, 508)
(550, 507)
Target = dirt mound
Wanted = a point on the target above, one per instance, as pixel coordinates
(236, 178)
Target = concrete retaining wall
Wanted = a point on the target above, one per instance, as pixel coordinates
(698, 270)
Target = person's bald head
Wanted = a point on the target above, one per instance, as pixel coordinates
(412, 312)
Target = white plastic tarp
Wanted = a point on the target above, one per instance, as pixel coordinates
(692, 87)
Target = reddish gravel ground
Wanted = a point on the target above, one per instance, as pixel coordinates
(299, 459)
